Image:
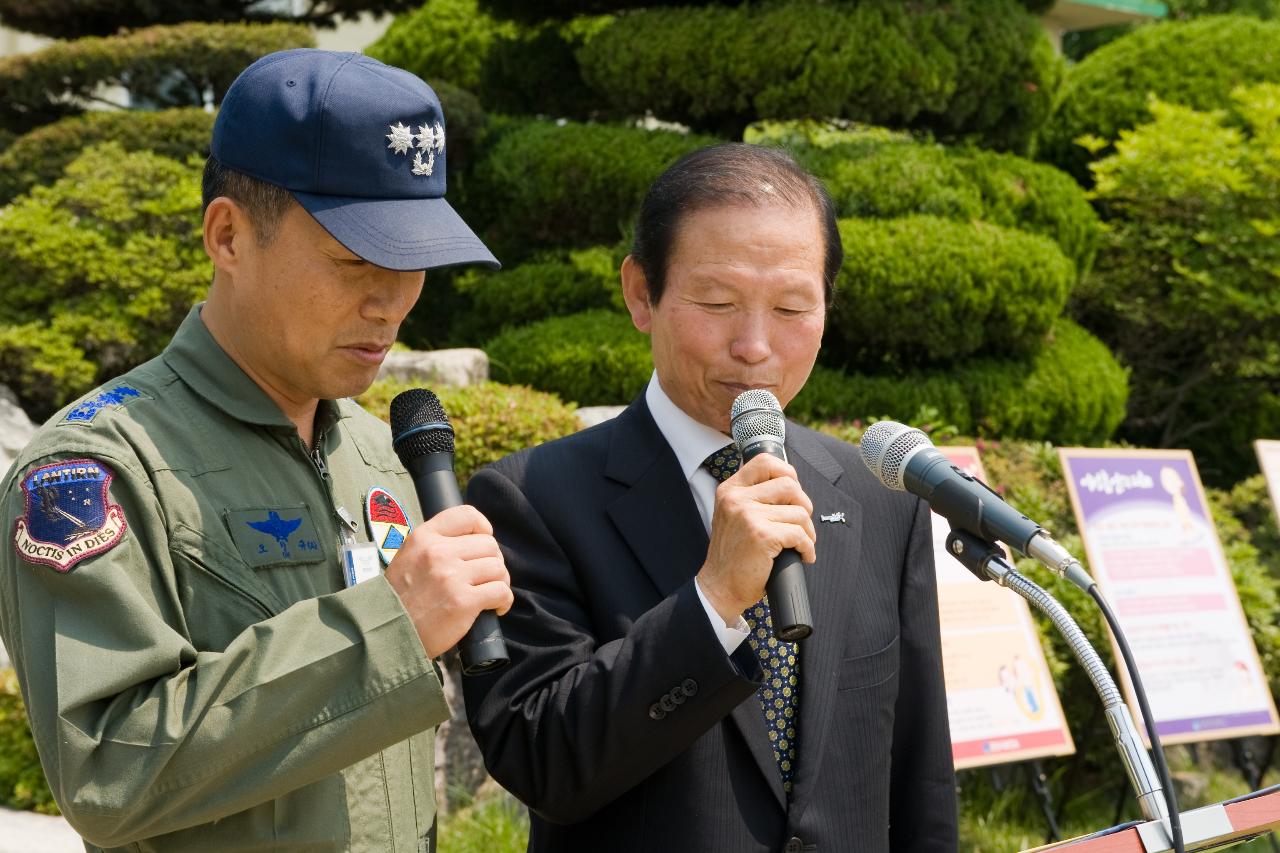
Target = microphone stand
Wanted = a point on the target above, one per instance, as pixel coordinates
(986, 561)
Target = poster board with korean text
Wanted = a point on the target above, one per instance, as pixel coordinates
(1155, 553)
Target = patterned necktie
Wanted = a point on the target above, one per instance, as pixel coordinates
(780, 692)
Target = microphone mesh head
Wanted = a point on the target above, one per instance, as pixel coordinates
(885, 446)
(419, 425)
(756, 414)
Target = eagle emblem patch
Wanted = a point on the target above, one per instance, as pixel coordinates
(68, 517)
(389, 526)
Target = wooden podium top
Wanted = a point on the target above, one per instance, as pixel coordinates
(1253, 814)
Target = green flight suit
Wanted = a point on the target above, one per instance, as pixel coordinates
(208, 682)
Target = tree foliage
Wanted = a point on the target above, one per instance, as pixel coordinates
(69, 19)
(1185, 289)
(924, 290)
(523, 10)
(39, 157)
(965, 68)
(96, 272)
(1194, 63)
(875, 173)
(162, 66)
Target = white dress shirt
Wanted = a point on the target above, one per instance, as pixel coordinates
(693, 442)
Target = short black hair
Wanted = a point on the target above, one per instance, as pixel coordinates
(265, 203)
(719, 175)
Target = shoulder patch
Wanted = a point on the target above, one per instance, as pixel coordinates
(68, 515)
(88, 409)
(389, 525)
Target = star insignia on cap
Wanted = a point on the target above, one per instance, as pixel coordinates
(431, 137)
(401, 138)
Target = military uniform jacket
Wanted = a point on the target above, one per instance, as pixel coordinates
(197, 674)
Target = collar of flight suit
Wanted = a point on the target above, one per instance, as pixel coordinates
(206, 368)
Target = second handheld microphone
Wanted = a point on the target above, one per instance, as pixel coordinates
(758, 427)
(423, 439)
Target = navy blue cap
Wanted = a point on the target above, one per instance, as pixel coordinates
(361, 146)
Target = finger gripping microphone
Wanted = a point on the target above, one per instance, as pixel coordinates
(758, 427)
(905, 459)
(423, 439)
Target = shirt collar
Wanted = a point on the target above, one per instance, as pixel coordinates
(691, 440)
(206, 368)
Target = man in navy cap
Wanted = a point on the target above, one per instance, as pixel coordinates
(221, 613)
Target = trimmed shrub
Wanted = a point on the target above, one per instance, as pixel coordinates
(1071, 391)
(550, 283)
(164, 66)
(970, 67)
(40, 156)
(514, 69)
(1185, 287)
(489, 420)
(873, 173)
(448, 39)
(522, 10)
(921, 290)
(106, 262)
(66, 19)
(544, 184)
(595, 358)
(1195, 64)
(22, 782)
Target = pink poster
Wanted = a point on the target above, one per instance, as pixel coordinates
(1155, 554)
(1000, 696)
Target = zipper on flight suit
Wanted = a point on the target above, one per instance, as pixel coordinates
(347, 526)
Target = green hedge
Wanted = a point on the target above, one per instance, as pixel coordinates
(489, 420)
(595, 358)
(548, 284)
(514, 69)
(166, 66)
(872, 173)
(22, 782)
(1071, 391)
(970, 67)
(69, 19)
(97, 269)
(926, 290)
(543, 184)
(523, 10)
(40, 156)
(1195, 63)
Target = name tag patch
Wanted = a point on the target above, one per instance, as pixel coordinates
(389, 525)
(268, 536)
(68, 515)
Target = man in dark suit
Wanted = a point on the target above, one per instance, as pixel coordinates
(647, 705)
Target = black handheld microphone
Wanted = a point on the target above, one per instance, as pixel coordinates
(758, 427)
(423, 439)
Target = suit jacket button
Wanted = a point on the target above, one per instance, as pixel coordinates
(677, 695)
(793, 845)
(655, 712)
(667, 703)
(689, 686)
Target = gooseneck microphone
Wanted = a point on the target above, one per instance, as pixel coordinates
(758, 427)
(905, 459)
(423, 439)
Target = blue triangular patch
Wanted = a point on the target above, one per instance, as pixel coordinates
(394, 539)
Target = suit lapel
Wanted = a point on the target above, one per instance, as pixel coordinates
(659, 521)
(656, 516)
(832, 583)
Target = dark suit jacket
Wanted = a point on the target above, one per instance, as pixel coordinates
(622, 723)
